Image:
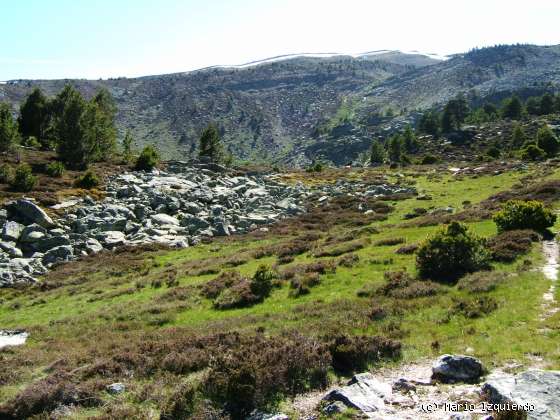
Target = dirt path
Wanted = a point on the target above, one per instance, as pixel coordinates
(550, 270)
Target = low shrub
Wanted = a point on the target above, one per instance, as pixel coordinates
(407, 249)
(301, 284)
(6, 173)
(390, 241)
(354, 353)
(180, 404)
(508, 245)
(348, 260)
(265, 370)
(481, 282)
(417, 212)
(225, 280)
(23, 179)
(429, 160)
(148, 159)
(261, 283)
(517, 214)
(532, 152)
(55, 169)
(473, 308)
(451, 253)
(335, 251)
(87, 181)
(319, 267)
(399, 285)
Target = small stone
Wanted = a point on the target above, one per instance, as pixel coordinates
(116, 388)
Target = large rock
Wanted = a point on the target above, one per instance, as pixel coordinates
(451, 369)
(31, 212)
(539, 388)
(164, 219)
(364, 392)
(61, 253)
(12, 231)
(111, 239)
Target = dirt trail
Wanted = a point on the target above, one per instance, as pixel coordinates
(550, 270)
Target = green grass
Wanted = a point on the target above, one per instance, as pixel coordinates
(66, 315)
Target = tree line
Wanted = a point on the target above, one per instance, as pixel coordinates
(457, 112)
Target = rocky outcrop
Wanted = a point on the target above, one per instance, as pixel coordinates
(178, 207)
(536, 391)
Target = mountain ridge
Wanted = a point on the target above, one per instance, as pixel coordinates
(279, 110)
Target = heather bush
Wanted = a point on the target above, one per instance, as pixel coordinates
(23, 179)
(451, 253)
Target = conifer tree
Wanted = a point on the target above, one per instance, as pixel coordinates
(210, 146)
(34, 116)
(547, 141)
(377, 153)
(9, 135)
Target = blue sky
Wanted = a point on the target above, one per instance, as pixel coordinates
(93, 39)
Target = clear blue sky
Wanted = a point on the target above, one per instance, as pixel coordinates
(111, 38)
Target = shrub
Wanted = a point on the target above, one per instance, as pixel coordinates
(349, 260)
(517, 214)
(261, 284)
(481, 282)
(451, 253)
(23, 179)
(301, 284)
(354, 353)
(32, 142)
(532, 152)
(429, 160)
(87, 181)
(400, 285)
(407, 249)
(474, 308)
(180, 405)
(508, 245)
(148, 159)
(55, 169)
(390, 241)
(6, 173)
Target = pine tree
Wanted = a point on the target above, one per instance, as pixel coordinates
(429, 123)
(395, 148)
(410, 140)
(454, 114)
(73, 127)
(8, 129)
(546, 105)
(518, 136)
(103, 110)
(547, 141)
(34, 117)
(377, 153)
(127, 143)
(513, 108)
(210, 146)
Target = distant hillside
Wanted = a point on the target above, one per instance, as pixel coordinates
(293, 109)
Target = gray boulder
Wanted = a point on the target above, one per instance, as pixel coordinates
(459, 368)
(61, 253)
(93, 246)
(31, 212)
(539, 388)
(11, 249)
(164, 219)
(12, 231)
(116, 388)
(111, 239)
(44, 244)
(364, 392)
(32, 233)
